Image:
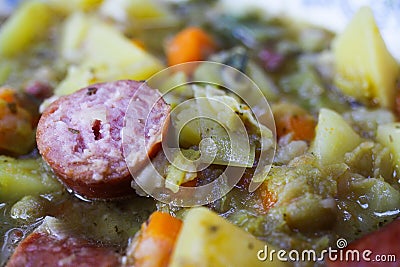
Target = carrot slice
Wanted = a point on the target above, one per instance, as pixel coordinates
(268, 198)
(162, 225)
(7, 94)
(191, 44)
(293, 119)
(302, 127)
(157, 240)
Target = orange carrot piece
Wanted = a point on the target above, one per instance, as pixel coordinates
(290, 118)
(191, 44)
(157, 240)
(302, 127)
(162, 225)
(268, 198)
(7, 94)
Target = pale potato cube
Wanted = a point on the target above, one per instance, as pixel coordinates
(21, 177)
(100, 53)
(77, 77)
(66, 7)
(365, 69)
(24, 27)
(73, 35)
(333, 138)
(389, 136)
(209, 240)
(104, 45)
(146, 13)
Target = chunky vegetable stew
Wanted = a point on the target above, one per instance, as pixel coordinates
(85, 122)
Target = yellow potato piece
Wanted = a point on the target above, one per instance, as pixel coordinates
(365, 69)
(24, 27)
(73, 35)
(140, 9)
(21, 177)
(106, 46)
(66, 7)
(389, 136)
(209, 240)
(77, 77)
(334, 137)
(100, 53)
(142, 13)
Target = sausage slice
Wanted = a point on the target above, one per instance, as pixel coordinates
(79, 136)
(52, 248)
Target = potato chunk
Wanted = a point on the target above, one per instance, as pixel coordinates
(334, 137)
(30, 21)
(21, 177)
(208, 240)
(366, 70)
(100, 53)
(389, 136)
(66, 7)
